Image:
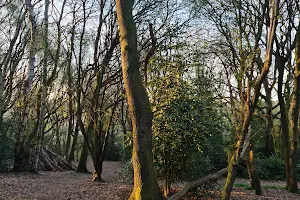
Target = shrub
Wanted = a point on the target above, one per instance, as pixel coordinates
(198, 165)
(126, 173)
(209, 161)
(271, 168)
(6, 153)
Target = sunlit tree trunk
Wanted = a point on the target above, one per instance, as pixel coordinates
(145, 183)
(254, 179)
(250, 107)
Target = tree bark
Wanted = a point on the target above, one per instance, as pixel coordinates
(254, 179)
(83, 159)
(294, 118)
(57, 137)
(145, 183)
(1, 102)
(1, 105)
(280, 63)
(43, 87)
(74, 143)
(250, 107)
(269, 148)
(70, 88)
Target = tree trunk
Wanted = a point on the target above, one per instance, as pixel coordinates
(100, 146)
(78, 91)
(294, 118)
(250, 107)
(43, 86)
(83, 159)
(145, 183)
(1, 102)
(280, 63)
(232, 169)
(97, 157)
(74, 143)
(254, 179)
(70, 88)
(269, 149)
(1, 120)
(57, 137)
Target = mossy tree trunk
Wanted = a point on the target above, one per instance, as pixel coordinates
(294, 118)
(145, 183)
(253, 176)
(251, 101)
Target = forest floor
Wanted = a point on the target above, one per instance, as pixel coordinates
(70, 185)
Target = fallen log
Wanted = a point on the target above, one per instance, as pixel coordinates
(211, 177)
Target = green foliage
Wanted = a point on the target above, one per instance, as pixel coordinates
(246, 186)
(242, 170)
(126, 151)
(126, 173)
(201, 164)
(114, 149)
(6, 153)
(271, 168)
(186, 120)
(211, 159)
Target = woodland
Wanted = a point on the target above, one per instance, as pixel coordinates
(149, 99)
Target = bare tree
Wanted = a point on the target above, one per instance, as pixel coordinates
(20, 157)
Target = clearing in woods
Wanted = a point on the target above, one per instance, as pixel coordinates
(71, 185)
